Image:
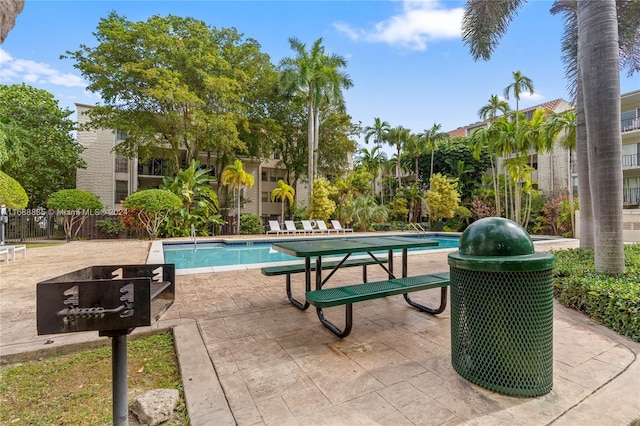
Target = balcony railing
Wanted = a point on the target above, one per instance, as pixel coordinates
(630, 124)
(630, 161)
(154, 167)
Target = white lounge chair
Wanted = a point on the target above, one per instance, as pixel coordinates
(4, 254)
(291, 227)
(323, 227)
(308, 227)
(338, 226)
(13, 249)
(275, 228)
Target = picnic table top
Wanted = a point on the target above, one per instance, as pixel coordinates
(328, 246)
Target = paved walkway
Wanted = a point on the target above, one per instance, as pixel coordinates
(250, 358)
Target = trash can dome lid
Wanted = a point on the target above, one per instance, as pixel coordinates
(495, 236)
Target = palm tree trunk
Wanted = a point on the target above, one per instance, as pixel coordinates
(598, 54)
(311, 144)
(584, 185)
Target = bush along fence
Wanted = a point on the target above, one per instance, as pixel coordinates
(46, 224)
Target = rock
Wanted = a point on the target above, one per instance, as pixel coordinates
(155, 406)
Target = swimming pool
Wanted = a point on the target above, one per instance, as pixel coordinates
(217, 256)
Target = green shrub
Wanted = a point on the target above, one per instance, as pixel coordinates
(12, 194)
(153, 206)
(77, 206)
(614, 301)
(251, 224)
(110, 227)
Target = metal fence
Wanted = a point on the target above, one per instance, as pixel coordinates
(40, 225)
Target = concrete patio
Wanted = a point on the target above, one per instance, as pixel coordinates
(248, 357)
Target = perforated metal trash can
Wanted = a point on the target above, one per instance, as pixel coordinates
(502, 309)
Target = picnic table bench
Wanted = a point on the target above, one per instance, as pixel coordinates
(295, 269)
(349, 294)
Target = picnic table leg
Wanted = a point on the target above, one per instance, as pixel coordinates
(294, 302)
(422, 308)
(332, 327)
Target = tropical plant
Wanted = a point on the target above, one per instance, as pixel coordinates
(12, 194)
(234, 175)
(414, 196)
(77, 206)
(321, 206)
(251, 224)
(371, 161)
(398, 210)
(431, 137)
(363, 211)
(199, 202)
(153, 207)
(284, 193)
(442, 198)
(398, 137)
(110, 227)
(321, 78)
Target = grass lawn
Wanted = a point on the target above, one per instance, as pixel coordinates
(76, 388)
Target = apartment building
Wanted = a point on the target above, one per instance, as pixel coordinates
(556, 170)
(113, 177)
(630, 126)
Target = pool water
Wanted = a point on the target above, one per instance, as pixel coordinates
(212, 254)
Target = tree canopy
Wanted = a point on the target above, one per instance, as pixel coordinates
(36, 144)
(176, 82)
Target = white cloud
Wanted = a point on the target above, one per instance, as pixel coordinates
(420, 23)
(13, 70)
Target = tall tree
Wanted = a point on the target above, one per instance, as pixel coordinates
(378, 131)
(597, 73)
(235, 175)
(489, 112)
(37, 136)
(398, 137)
(173, 85)
(431, 138)
(320, 77)
(284, 193)
(520, 84)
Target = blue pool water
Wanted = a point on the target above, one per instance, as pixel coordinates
(212, 254)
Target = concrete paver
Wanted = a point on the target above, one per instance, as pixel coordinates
(250, 358)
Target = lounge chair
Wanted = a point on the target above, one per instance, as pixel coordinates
(338, 227)
(291, 227)
(308, 227)
(323, 227)
(11, 251)
(4, 254)
(274, 226)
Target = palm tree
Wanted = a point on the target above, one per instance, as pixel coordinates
(371, 161)
(519, 85)
(378, 131)
(284, 192)
(490, 111)
(235, 175)
(432, 137)
(398, 136)
(597, 77)
(320, 77)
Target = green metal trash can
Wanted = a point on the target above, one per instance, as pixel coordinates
(502, 309)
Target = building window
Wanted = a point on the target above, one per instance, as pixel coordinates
(265, 176)
(121, 135)
(122, 191)
(276, 155)
(265, 197)
(272, 177)
(122, 164)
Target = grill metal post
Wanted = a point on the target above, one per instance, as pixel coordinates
(119, 378)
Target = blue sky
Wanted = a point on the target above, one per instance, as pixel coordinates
(406, 59)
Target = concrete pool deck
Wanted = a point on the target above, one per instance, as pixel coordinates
(248, 357)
